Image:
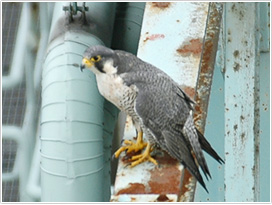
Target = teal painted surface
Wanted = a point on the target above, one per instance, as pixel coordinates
(265, 142)
(264, 26)
(264, 72)
(75, 128)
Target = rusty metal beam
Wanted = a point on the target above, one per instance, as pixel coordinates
(208, 56)
(204, 81)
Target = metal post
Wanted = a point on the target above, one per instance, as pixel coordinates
(241, 104)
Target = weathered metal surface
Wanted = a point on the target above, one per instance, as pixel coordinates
(146, 179)
(144, 198)
(214, 130)
(241, 104)
(206, 68)
(171, 39)
(204, 81)
(265, 120)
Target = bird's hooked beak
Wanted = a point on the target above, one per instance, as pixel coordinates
(86, 63)
(82, 67)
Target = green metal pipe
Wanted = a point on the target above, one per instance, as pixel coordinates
(127, 26)
(72, 154)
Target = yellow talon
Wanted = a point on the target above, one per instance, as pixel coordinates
(138, 159)
(131, 146)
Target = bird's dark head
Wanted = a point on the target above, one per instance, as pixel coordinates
(100, 59)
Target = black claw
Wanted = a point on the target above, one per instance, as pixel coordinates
(127, 157)
(127, 165)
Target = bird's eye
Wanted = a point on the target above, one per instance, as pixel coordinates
(96, 58)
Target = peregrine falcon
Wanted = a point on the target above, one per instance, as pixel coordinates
(157, 105)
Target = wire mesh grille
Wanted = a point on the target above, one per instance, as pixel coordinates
(10, 192)
(10, 20)
(13, 100)
(13, 103)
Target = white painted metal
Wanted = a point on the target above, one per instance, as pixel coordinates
(164, 31)
(241, 170)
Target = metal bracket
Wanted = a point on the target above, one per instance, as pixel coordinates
(73, 8)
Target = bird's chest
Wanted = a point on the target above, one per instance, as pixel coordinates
(114, 90)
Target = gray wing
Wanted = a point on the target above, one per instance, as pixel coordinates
(166, 120)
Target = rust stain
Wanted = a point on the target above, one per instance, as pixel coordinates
(154, 37)
(198, 113)
(134, 188)
(165, 180)
(207, 57)
(162, 198)
(161, 5)
(193, 47)
(186, 181)
(236, 67)
(189, 91)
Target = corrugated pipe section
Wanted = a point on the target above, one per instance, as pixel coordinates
(75, 130)
(127, 26)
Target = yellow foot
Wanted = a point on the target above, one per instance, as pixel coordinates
(138, 159)
(131, 146)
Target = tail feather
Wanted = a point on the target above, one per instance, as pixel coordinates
(205, 145)
(195, 172)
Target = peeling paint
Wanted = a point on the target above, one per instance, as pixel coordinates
(166, 180)
(188, 187)
(134, 188)
(235, 127)
(236, 67)
(243, 137)
(144, 198)
(207, 64)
